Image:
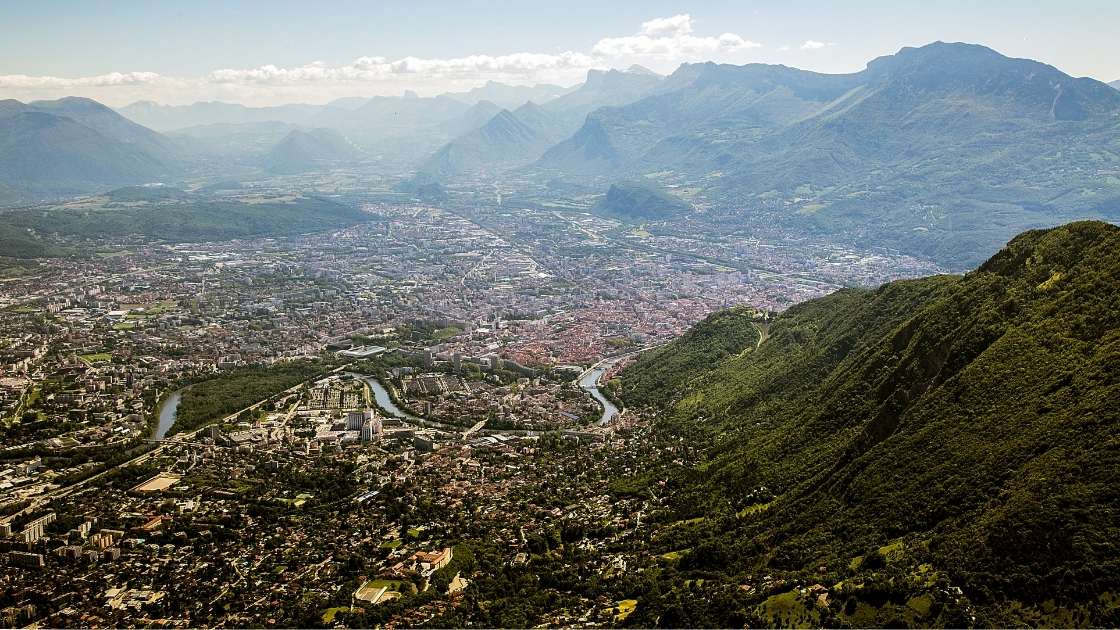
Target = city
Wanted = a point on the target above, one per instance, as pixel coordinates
(456, 338)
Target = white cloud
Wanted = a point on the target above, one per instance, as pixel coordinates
(667, 27)
(660, 42)
(811, 44)
(366, 69)
(670, 38)
(104, 80)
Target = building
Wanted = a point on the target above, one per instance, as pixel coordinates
(36, 529)
(26, 560)
(371, 430)
(356, 419)
(428, 562)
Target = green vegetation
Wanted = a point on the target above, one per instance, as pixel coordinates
(948, 431)
(196, 218)
(216, 398)
(659, 375)
(19, 242)
(639, 202)
(329, 614)
(447, 332)
(96, 357)
(624, 609)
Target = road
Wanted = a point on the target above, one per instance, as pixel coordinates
(763, 333)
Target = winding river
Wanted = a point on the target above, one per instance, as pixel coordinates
(590, 384)
(385, 403)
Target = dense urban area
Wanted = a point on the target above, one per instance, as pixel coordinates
(359, 426)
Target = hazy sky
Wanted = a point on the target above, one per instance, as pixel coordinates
(279, 52)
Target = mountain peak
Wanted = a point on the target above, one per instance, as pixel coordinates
(1019, 87)
(639, 69)
(528, 107)
(937, 52)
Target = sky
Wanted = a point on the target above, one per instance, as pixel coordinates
(267, 53)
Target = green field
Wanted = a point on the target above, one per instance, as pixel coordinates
(96, 357)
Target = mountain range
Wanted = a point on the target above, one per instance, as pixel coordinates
(946, 150)
(899, 444)
(943, 151)
(74, 144)
(519, 137)
(510, 96)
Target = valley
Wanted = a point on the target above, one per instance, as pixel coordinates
(555, 339)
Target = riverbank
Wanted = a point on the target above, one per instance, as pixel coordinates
(166, 412)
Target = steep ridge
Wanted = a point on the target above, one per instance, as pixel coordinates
(951, 430)
(605, 89)
(509, 96)
(734, 102)
(519, 137)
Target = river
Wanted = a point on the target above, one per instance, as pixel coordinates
(167, 413)
(385, 401)
(590, 384)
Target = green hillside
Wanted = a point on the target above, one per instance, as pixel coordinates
(639, 201)
(170, 215)
(19, 243)
(896, 444)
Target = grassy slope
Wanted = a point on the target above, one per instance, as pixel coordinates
(973, 422)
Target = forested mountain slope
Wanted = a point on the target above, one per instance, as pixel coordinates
(898, 443)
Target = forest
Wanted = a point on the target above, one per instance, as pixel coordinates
(212, 399)
(952, 432)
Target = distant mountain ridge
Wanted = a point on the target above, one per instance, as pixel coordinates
(518, 137)
(173, 117)
(916, 151)
(509, 139)
(74, 145)
(510, 96)
(317, 149)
